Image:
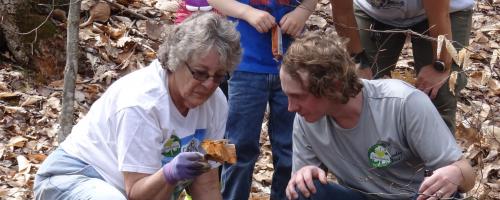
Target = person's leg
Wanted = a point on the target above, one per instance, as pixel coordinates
(62, 176)
(332, 191)
(248, 96)
(445, 101)
(280, 135)
(383, 49)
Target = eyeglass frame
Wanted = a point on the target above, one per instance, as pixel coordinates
(204, 76)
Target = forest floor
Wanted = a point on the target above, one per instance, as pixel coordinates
(30, 100)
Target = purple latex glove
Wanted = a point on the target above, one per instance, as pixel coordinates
(186, 165)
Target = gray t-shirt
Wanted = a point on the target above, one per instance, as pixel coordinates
(404, 13)
(399, 134)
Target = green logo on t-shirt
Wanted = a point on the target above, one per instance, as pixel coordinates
(172, 147)
(379, 156)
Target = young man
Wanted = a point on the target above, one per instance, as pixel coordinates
(378, 137)
(254, 85)
(451, 18)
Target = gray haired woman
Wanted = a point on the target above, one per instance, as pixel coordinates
(140, 140)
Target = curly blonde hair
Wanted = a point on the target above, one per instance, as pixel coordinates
(329, 68)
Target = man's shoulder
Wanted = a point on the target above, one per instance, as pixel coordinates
(387, 88)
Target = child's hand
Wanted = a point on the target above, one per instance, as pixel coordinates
(260, 20)
(293, 22)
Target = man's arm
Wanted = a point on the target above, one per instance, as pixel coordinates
(345, 24)
(447, 180)
(439, 24)
(429, 79)
(206, 186)
(259, 19)
(467, 174)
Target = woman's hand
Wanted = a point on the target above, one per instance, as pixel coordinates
(186, 165)
(303, 180)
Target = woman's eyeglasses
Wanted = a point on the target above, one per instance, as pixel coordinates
(203, 76)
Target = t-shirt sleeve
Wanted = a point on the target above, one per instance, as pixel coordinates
(303, 153)
(426, 133)
(139, 138)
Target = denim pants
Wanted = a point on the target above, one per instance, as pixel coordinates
(249, 94)
(384, 49)
(339, 192)
(63, 177)
(332, 191)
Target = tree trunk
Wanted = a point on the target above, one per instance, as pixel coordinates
(66, 117)
(8, 10)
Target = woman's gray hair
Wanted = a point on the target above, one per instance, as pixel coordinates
(196, 36)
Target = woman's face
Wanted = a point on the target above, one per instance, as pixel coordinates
(194, 82)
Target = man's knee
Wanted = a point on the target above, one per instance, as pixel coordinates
(330, 191)
(321, 191)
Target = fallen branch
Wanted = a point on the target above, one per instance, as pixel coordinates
(127, 10)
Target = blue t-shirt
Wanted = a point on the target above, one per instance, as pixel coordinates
(257, 48)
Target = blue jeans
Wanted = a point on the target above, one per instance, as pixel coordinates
(332, 191)
(249, 93)
(62, 177)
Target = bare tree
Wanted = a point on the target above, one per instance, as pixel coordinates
(66, 116)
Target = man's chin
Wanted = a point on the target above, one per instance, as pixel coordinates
(309, 118)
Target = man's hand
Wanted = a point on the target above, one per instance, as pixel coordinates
(303, 180)
(429, 80)
(259, 19)
(442, 184)
(186, 165)
(293, 22)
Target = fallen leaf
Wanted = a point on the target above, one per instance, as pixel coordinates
(468, 135)
(452, 82)
(482, 109)
(494, 58)
(2, 150)
(493, 131)
(39, 158)
(17, 141)
(10, 95)
(451, 50)
(3, 87)
(167, 5)
(23, 164)
(31, 100)
(494, 86)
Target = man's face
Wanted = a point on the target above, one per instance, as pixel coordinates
(300, 100)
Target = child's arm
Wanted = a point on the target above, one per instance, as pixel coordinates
(259, 19)
(293, 22)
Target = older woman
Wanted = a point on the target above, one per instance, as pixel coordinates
(140, 140)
